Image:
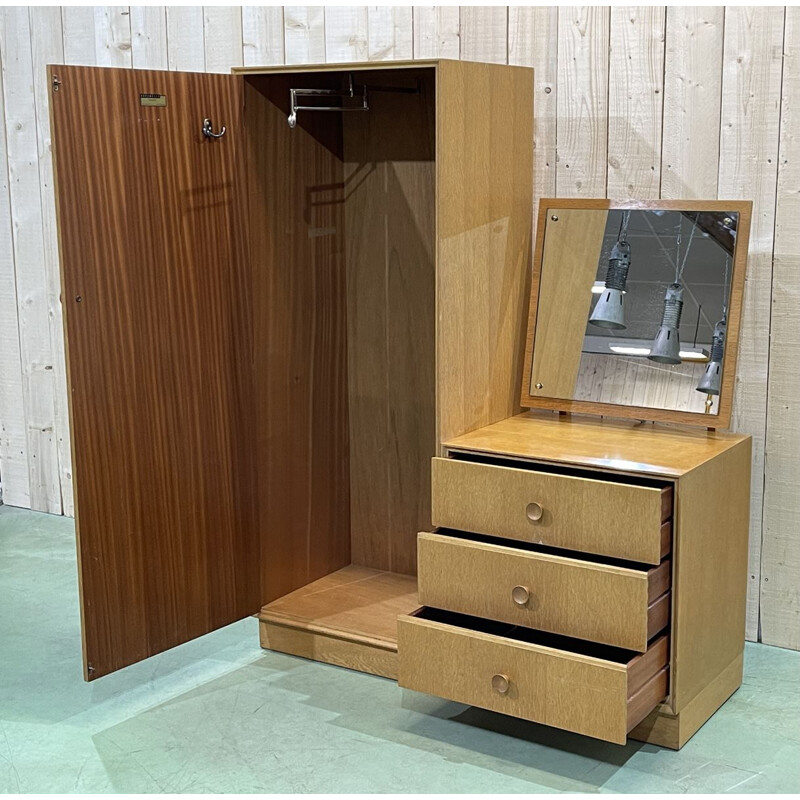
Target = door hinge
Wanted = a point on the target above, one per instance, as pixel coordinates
(56, 83)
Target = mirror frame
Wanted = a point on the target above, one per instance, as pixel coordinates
(719, 420)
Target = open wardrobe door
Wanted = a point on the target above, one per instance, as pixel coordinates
(156, 292)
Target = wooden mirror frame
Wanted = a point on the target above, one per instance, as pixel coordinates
(719, 420)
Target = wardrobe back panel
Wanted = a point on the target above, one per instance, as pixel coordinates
(295, 194)
(389, 209)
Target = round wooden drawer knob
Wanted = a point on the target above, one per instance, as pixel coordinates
(520, 595)
(500, 683)
(534, 512)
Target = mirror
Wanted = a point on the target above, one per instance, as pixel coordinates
(635, 308)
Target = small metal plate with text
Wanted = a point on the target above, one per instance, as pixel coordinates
(153, 100)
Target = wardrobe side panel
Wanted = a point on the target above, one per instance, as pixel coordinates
(484, 223)
(390, 224)
(295, 193)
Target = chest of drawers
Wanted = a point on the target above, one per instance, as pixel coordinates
(585, 574)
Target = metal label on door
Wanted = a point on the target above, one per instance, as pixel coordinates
(153, 100)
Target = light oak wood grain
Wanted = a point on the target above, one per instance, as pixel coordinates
(556, 687)
(567, 274)
(358, 655)
(711, 525)
(665, 729)
(612, 519)
(585, 600)
(358, 604)
(389, 216)
(626, 447)
(484, 116)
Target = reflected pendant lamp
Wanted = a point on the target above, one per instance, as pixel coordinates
(666, 348)
(609, 311)
(712, 377)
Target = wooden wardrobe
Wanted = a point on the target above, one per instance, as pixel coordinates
(269, 333)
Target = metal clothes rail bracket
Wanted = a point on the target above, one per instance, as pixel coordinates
(361, 95)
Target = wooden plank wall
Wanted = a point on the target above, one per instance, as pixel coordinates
(637, 102)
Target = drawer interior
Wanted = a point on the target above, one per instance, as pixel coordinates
(553, 641)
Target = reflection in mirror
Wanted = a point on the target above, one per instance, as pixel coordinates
(633, 307)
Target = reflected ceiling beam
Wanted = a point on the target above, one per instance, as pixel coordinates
(711, 222)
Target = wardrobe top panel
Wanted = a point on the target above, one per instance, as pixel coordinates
(630, 447)
(343, 66)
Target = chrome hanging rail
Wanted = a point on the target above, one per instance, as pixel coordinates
(351, 93)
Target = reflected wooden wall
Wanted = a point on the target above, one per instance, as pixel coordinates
(638, 102)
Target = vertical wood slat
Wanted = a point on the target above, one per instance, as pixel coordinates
(33, 310)
(390, 33)
(78, 31)
(690, 164)
(533, 42)
(47, 47)
(436, 32)
(262, 35)
(780, 556)
(112, 36)
(149, 37)
(304, 34)
(185, 47)
(751, 89)
(14, 476)
(692, 97)
(346, 33)
(635, 101)
(484, 33)
(222, 37)
(583, 41)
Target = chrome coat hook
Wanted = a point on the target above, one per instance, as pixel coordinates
(208, 130)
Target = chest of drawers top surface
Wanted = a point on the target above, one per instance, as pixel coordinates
(629, 447)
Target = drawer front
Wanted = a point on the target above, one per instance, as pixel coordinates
(554, 687)
(593, 516)
(601, 603)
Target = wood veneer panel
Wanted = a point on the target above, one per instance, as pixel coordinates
(297, 245)
(574, 511)
(628, 447)
(710, 582)
(390, 228)
(585, 600)
(484, 218)
(158, 321)
(596, 695)
(569, 270)
(356, 603)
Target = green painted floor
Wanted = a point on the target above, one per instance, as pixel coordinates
(221, 715)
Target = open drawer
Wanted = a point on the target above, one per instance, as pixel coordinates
(592, 689)
(618, 603)
(624, 520)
